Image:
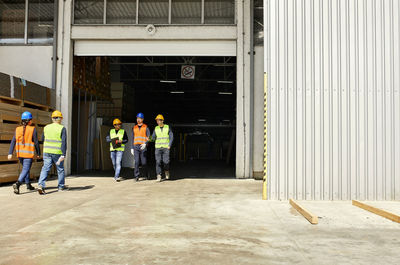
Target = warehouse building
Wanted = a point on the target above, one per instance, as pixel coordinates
(322, 93)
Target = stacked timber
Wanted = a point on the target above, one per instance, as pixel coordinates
(91, 74)
(10, 117)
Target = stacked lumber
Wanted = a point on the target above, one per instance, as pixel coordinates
(91, 74)
(10, 113)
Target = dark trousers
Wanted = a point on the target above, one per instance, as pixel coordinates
(140, 159)
(162, 159)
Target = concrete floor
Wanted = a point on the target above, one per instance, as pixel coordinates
(187, 221)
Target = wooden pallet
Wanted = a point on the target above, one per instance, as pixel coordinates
(25, 103)
(10, 115)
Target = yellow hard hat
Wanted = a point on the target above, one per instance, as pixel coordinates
(160, 117)
(117, 121)
(56, 114)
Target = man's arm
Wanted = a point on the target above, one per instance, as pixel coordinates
(125, 138)
(154, 136)
(36, 141)
(64, 141)
(171, 137)
(147, 134)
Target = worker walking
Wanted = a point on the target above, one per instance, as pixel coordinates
(25, 142)
(117, 139)
(141, 134)
(54, 149)
(163, 138)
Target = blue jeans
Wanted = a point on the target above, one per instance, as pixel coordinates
(48, 160)
(116, 158)
(26, 168)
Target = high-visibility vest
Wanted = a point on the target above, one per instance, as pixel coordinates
(140, 136)
(52, 139)
(162, 140)
(120, 136)
(25, 147)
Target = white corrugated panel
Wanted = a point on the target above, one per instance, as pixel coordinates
(334, 106)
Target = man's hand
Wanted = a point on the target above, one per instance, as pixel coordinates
(9, 157)
(119, 142)
(62, 158)
(132, 152)
(142, 146)
(169, 147)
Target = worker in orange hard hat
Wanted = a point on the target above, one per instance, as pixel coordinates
(163, 138)
(117, 139)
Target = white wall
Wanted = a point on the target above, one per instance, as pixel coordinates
(32, 63)
(258, 123)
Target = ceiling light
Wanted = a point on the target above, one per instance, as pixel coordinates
(177, 92)
(201, 119)
(168, 81)
(225, 82)
(225, 93)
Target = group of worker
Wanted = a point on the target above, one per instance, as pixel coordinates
(162, 136)
(26, 143)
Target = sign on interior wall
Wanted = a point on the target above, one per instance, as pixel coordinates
(187, 71)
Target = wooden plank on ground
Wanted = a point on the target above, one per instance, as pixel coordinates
(105, 149)
(388, 215)
(96, 154)
(312, 218)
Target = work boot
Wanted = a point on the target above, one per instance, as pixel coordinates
(159, 178)
(29, 186)
(137, 179)
(41, 191)
(16, 187)
(166, 175)
(64, 188)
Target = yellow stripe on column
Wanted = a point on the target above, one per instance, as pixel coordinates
(264, 190)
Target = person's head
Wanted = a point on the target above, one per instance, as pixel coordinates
(160, 120)
(56, 116)
(26, 118)
(140, 118)
(117, 124)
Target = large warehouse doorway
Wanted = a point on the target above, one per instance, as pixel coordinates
(196, 95)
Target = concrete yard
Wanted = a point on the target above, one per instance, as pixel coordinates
(187, 221)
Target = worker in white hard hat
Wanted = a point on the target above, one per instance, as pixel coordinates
(117, 139)
(54, 150)
(163, 138)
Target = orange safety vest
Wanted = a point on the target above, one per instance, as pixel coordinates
(25, 149)
(140, 136)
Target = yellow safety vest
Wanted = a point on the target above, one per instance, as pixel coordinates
(162, 140)
(120, 136)
(52, 139)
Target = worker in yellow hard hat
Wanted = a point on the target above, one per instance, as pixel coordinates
(117, 139)
(54, 151)
(163, 138)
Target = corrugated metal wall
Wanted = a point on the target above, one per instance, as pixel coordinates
(334, 106)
